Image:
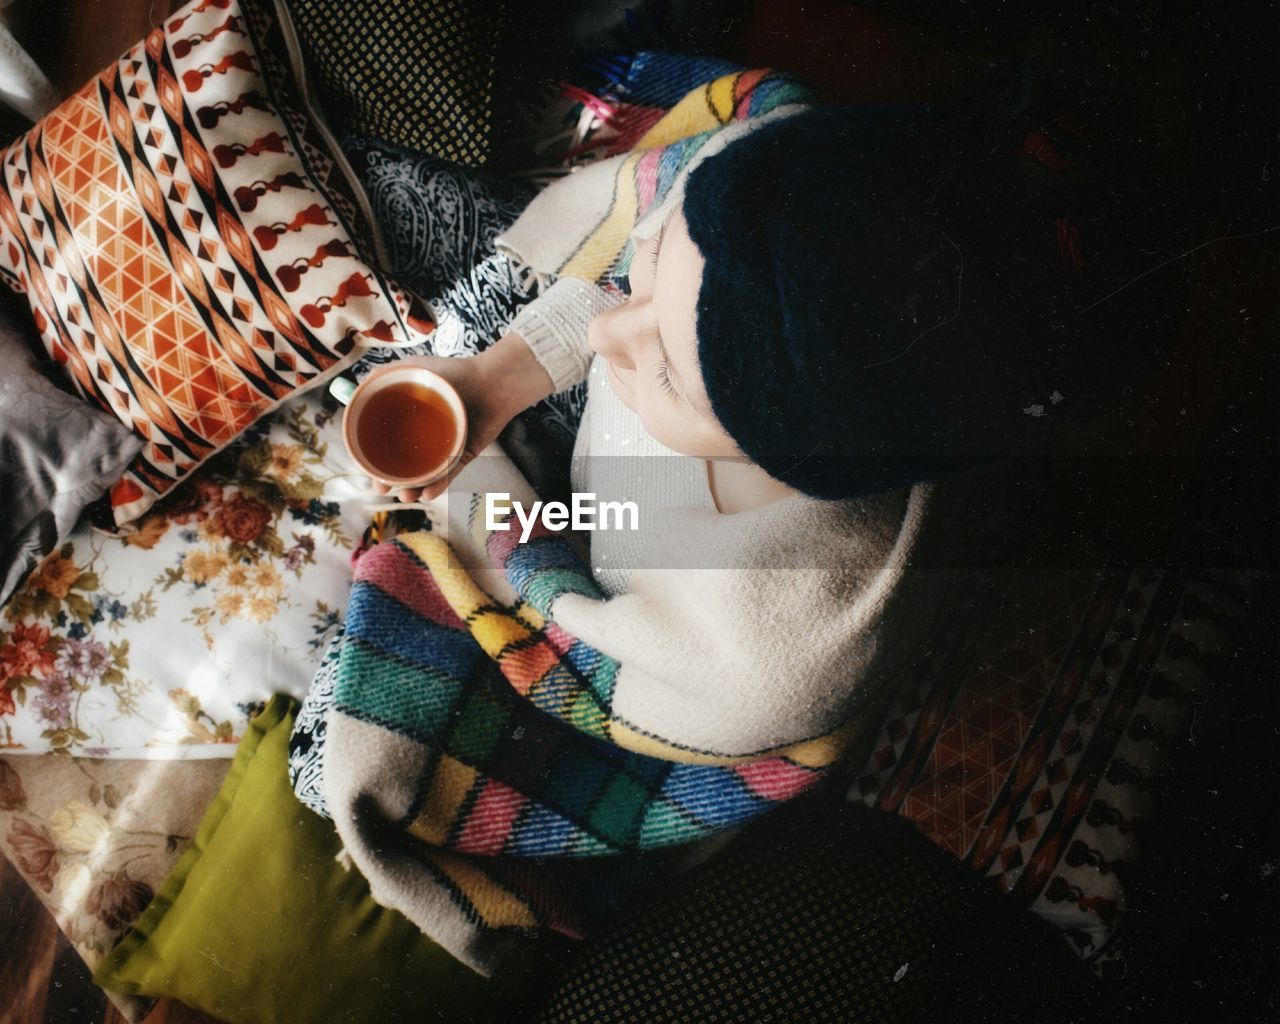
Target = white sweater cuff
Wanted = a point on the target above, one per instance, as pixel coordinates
(555, 328)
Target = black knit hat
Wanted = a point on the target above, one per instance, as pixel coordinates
(884, 301)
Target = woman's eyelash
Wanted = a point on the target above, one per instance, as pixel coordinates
(664, 377)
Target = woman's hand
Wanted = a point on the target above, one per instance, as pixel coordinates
(494, 386)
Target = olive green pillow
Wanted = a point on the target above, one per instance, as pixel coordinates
(258, 922)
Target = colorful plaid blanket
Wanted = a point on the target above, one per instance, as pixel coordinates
(472, 762)
(644, 147)
(467, 734)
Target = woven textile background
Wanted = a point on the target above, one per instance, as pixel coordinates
(418, 73)
(1034, 758)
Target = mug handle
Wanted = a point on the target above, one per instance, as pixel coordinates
(342, 388)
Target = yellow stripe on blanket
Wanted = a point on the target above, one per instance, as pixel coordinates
(495, 629)
(450, 784)
(816, 753)
(455, 583)
(499, 630)
(825, 750)
(700, 111)
(599, 251)
(496, 905)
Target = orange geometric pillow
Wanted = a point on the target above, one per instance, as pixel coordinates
(189, 238)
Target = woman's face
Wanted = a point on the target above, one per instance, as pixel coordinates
(651, 345)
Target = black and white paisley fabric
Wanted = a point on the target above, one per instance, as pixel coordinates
(477, 307)
(439, 221)
(306, 744)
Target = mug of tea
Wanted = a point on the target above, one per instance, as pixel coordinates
(404, 425)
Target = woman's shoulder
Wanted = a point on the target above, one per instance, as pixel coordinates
(795, 553)
(823, 534)
(848, 546)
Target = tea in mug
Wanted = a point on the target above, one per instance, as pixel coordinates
(407, 431)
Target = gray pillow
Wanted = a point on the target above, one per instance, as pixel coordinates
(57, 454)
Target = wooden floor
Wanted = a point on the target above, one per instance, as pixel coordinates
(42, 979)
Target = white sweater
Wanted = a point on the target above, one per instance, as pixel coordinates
(736, 633)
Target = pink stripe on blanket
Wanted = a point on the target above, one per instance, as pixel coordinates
(394, 570)
(647, 178)
(776, 778)
(500, 544)
(491, 819)
(559, 640)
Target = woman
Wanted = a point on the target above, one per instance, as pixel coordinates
(790, 323)
(798, 354)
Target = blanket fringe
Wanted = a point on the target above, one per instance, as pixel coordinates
(529, 279)
(563, 145)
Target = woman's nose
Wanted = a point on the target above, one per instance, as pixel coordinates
(616, 332)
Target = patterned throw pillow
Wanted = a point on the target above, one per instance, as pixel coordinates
(190, 240)
(137, 645)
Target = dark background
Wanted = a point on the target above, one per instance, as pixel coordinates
(1187, 95)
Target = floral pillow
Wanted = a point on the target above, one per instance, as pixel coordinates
(156, 644)
(190, 240)
(94, 843)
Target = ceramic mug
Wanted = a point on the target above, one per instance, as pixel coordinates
(370, 396)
